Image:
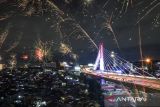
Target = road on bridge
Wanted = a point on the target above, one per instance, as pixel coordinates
(149, 82)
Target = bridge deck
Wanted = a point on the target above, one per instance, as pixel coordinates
(149, 82)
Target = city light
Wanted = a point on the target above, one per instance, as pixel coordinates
(1, 66)
(90, 65)
(119, 71)
(25, 57)
(148, 60)
(77, 68)
(112, 54)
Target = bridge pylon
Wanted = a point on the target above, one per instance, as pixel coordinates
(100, 59)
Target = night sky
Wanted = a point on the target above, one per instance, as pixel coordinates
(81, 25)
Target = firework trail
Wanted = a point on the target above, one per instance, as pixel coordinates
(146, 7)
(79, 28)
(60, 16)
(119, 12)
(115, 38)
(125, 6)
(106, 3)
(14, 44)
(150, 10)
(63, 20)
(58, 26)
(140, 48)
(54, 7)
(140, 44)
(86, 34)
(77, 25)
(3, 37)
(37, 7)
(28, 7)
(73, 32)
(59, 30)
(109, 26)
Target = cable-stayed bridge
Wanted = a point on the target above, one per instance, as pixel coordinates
(109, 65)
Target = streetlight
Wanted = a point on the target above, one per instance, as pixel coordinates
(112, 54)
(148, 63)
(148, 60)
(113, 57)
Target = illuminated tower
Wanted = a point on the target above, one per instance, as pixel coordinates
(100, 59)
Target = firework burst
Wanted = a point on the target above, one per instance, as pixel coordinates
(42, 50)
(65, 49)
